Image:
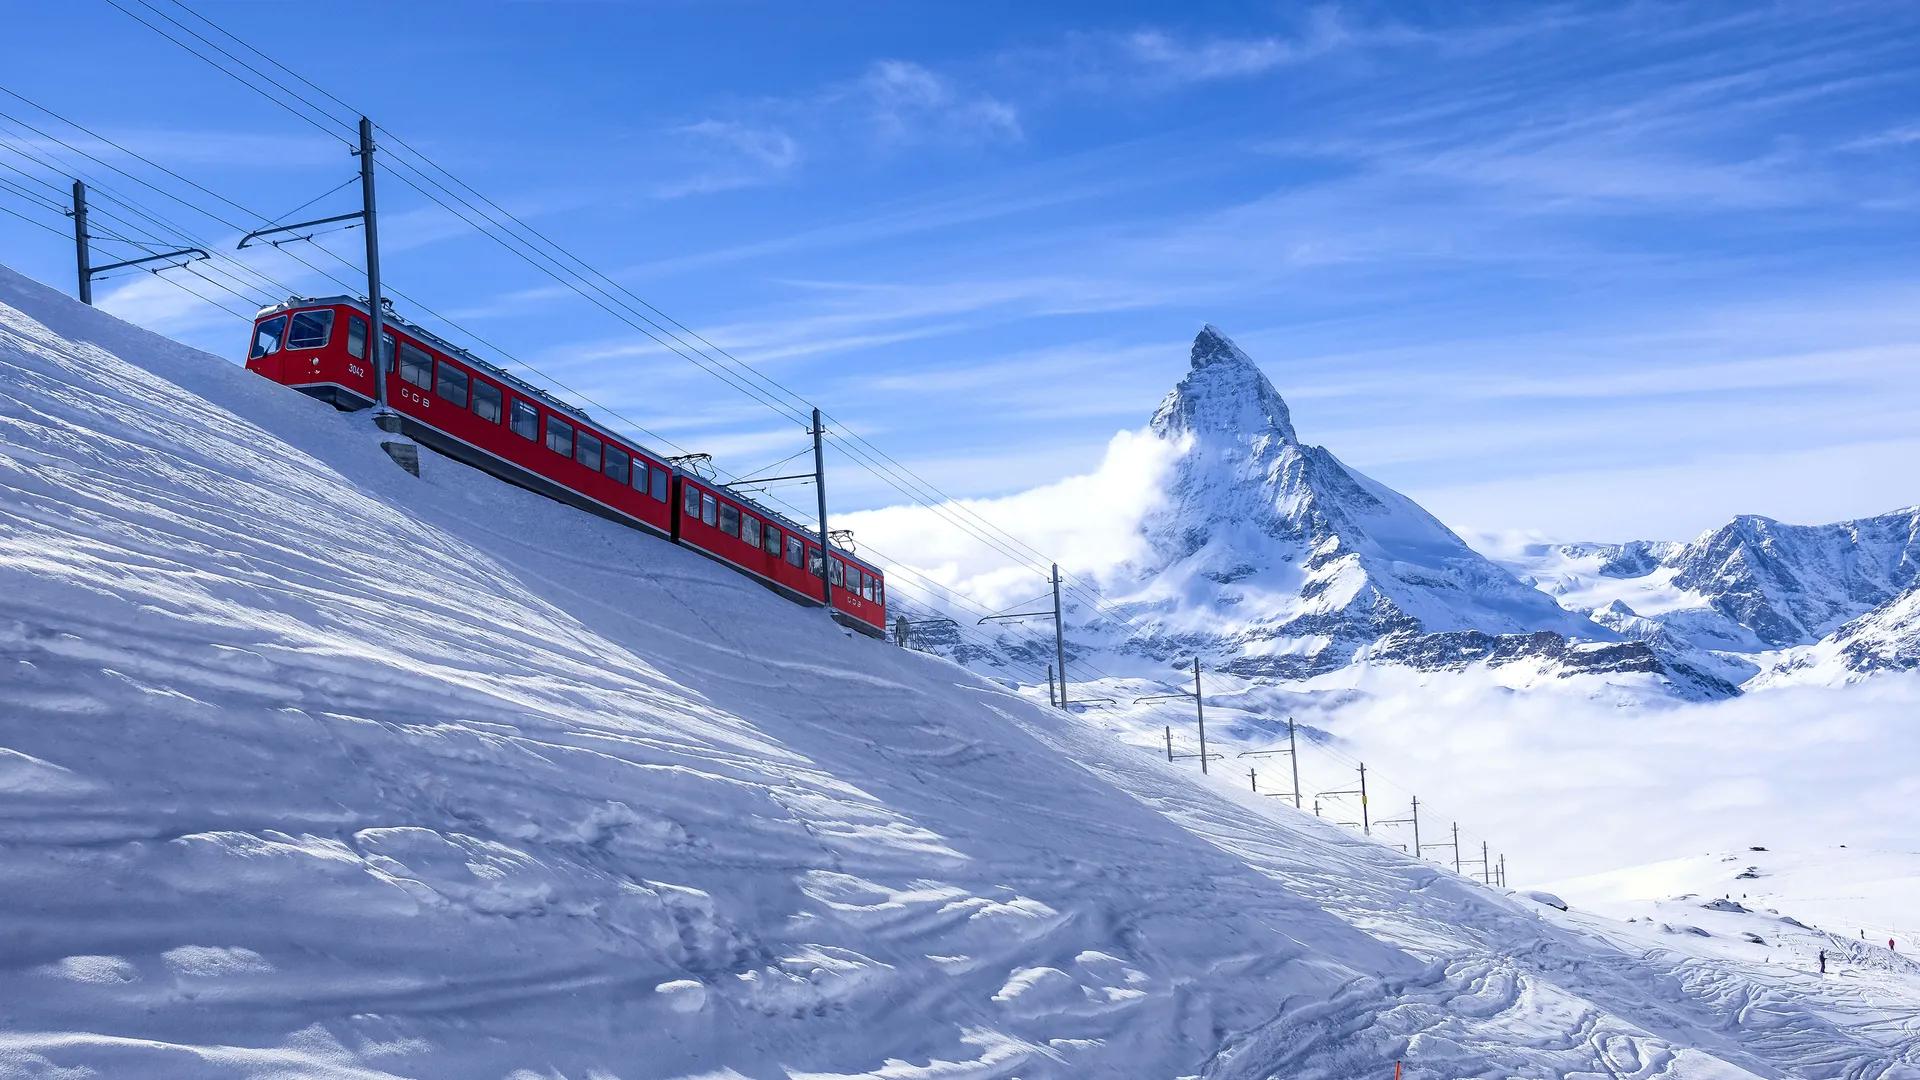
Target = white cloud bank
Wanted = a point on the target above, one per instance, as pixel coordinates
(1570, 785)
(1090, 522)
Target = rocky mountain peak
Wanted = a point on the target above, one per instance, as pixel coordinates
(1225, 393)
(1277, 559)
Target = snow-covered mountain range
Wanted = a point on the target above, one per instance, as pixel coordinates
(1755, 600)
(1273, 560)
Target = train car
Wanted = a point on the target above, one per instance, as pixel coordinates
(722, 523)
(459, 405)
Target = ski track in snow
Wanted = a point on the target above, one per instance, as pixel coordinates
(311, 768)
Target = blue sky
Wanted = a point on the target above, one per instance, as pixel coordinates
(1600, 272)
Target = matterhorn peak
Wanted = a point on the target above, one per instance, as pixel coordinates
(1225, 393)
(1210, 346)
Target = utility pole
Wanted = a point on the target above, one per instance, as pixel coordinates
(80, 242)
(1486, 867)
(1456, 847)
(1292, 751)
(83, 250)
(1253, 780)
(368, 217)
(1200, 714)
(820, 494)
(1413, 820)
(1293, 755)
(1060, 646)
(1366, 826)
(1059, 634)
(1503, 869)
(383, 415)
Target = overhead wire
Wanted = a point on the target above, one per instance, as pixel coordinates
(31, 221)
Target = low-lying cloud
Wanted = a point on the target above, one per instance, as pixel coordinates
(1090, 522)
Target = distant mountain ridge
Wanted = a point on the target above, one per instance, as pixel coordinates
(1744, 597)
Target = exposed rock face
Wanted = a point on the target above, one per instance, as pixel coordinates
(1792, 584)
(1886, 639)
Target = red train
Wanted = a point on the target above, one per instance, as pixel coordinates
(472, 411)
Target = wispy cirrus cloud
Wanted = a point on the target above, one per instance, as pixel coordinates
(891, 105)
(1898, 137)
(723, 155)
(910, 103)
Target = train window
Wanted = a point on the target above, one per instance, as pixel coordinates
(866, 586)
(771, 541)
(486, 401)
(750, 529)
(659, 483)
(386, 352)
(853, 580)
(729, 519)
(526, 420)
(836, 572)
(451, 383)
(879, 591)
(559, 436)
(586, 451)
(266, 339)
(416, 366)
(356, 337)
(709, 509)
(692, 501)
(793, 550)
(309, 329)
(815, 565)
(615, 465)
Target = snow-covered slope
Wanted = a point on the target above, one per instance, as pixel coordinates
(310, 768)
(1858, 894)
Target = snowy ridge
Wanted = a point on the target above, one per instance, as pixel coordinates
(312, 768)
(1735, 597)
(1885, 639)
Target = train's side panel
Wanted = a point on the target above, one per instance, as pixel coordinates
(735, 532)
(452, 407)
(714, 522)
(869, 612)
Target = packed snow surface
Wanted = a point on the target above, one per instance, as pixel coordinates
(311, 768)
(1866, 894)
